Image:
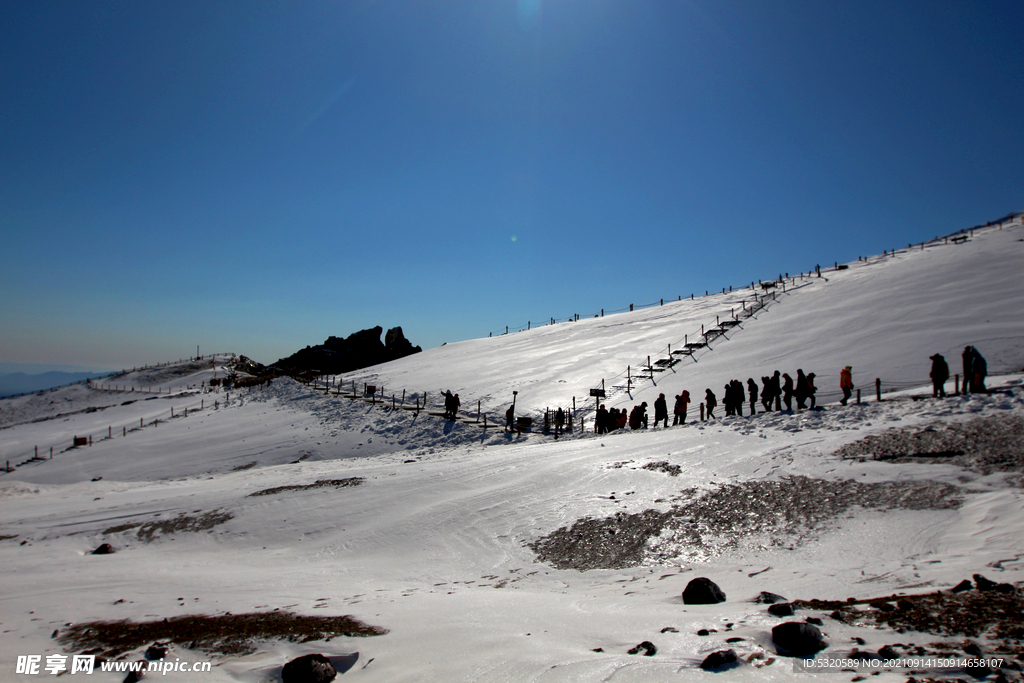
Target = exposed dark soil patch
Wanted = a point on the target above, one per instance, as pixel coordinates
(664, 466)
(703, 524)
(148, 531)
(319, 484)
(994, 617)
(985, 444)
(246, 466)
(228, 634)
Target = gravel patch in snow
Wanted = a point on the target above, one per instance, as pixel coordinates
(702, 524)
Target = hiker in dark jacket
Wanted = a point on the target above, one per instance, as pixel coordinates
(752, 390)
(979, 368)
(777, 391)
(601, 421)
(680, 408)
(738, 396)
(811, 389)
(638, 417)
(727, 399)
(801, 390)
(660, 410)
(939, 375)
(787, 391)
(968, 357)
(766, 394)
(710, 402)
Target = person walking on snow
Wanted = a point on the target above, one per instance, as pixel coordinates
(846, 383)
(787, 391)
(801, 390)
(968, 356)
(660, 410)
(710, 401)
(738, 396)
(766, 394)
(939, 375)
(979, 368)
(752, 390)
(680, 408)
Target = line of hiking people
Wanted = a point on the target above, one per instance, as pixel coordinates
(777, 390)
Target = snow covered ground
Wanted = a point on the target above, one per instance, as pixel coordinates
(433, 544)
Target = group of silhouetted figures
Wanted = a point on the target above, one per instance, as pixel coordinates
(775, 390)
(451, 405)
(778, 390)
(975, 372)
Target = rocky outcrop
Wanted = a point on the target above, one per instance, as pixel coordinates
(798, 639)
(359, 350)
(314, 668)
(702, 591)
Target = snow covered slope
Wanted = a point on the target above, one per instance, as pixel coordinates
(434, 543)
(885, 316)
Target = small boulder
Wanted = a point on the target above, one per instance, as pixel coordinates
(723, 659)
(313, 668)
(136, 676)
(766, 598)
(648, 648)
(156, 652)
(888, 652)
(984, 584)
(964, 585)
(798, 639)
(702, 591)
(104, 549)
(781, 609)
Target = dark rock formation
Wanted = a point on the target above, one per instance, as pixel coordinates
(782, 609)
(648, 648)
(104, 549)
(798, 639)
(156, 652)
(723, 659)
(766, 598)
(313, 668)
(359, 350)
(702, 591)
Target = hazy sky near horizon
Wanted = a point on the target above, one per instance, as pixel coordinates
(257, 176)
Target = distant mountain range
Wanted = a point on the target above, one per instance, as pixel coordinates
(15, 383)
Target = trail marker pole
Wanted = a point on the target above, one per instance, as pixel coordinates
(878, 389)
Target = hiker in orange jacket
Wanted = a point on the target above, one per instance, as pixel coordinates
(846, 383)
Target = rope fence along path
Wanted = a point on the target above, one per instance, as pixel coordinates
(152, 418)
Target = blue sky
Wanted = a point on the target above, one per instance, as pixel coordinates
(256, 176)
